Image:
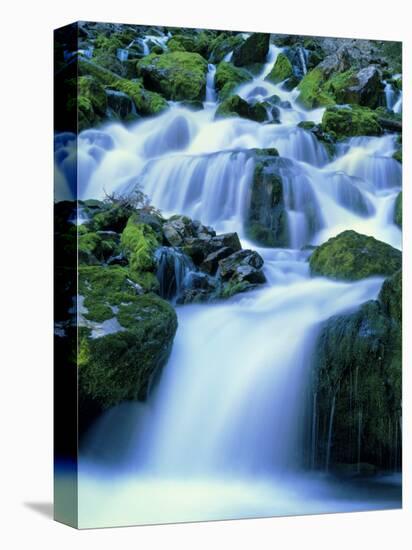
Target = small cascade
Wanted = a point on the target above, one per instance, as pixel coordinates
(210, 84)
(397, 108)
(359, 440)
(212, 188)
(303, 58)
(174, 270)
(304, 213)
(314, 432)
(330, 433)
(389, 95)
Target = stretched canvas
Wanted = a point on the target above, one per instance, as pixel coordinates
(228, 213)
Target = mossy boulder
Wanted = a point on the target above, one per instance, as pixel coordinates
(398, 210)
(282, 69)
(398, 155)
(345, 122)
(351, 256)
(139, 242)
(176, 75)
(311, 90)
(335, 80)
(109, 218)
(253, 50)
(94, 248)
(120, 366)
(223, 44)
(228, 77)
(266, 221)
(358, 376)
(147, 103)
(238, 107)
(91, 102)
(197, 42)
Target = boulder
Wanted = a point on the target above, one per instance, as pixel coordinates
(398, 210)
(235, 106)
(253, 50)
(242, 266)
(345, 122)
(120, 366)
(120, 105)
(351, 256)
(228, 77)
(282, 69)
(357, 375)
(177, 75)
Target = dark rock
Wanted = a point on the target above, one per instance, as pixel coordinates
(253, 50)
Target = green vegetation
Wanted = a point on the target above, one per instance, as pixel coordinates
(139, 242)
(253, 50)
(177, 75)
(345, 122)
(228, 77)
(236, 106)
(398, 210)
(282, 69)
(351, 256)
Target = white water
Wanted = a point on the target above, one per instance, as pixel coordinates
(222, 434)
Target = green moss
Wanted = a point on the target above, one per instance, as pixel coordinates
(224, 43)
(345, 122)
(390, 296)
(352, 256)
(398, 210)
(357, 365)
(94, 248)
(398, 155)
(91, 102)
(120, 366)
(337, 86)
(147, 103)
(311, 91)
(282, 69)
(228, 77)
(110, 218)
(103, 288)
(232, 287)
(139, 242)
(176, 75)
(236, 106)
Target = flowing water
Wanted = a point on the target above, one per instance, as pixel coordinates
(222, 434)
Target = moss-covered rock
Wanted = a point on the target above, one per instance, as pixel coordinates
(398, 210)
(91, 102)
(311, 90)
(236, 106)
(110, 217)
(357, 379)
(223, 44)
(197, 42)
(253, 50)
(147, 103)
(346, 122)
(139, 242)
(352, 256)
(228, 77)
(266, 221)
(390, 296)
(94, 248)
(282, 69)
(398, 155)
(120, 366)
(177, 75)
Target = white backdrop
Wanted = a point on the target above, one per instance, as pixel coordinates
(26, 271)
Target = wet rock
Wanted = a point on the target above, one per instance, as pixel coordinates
(253, 50)
(352, 256)
(244, 265)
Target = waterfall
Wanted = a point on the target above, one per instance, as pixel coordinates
(303, 54)
(330, 433)
(221, 433)
(359, 440)
(174, 270)
(397, 108)
(389, 95)
(210, 84)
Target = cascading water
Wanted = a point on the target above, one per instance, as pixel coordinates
(221, 435)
